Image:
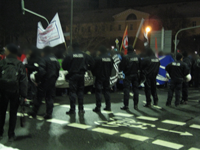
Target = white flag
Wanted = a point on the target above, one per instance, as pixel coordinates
(52, 35)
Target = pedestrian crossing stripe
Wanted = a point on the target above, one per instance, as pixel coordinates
(168, 144)
(174, 122)
(193, 148)
(80, 126)
(147, 118)
(195, 126)
(57, 121)
(124, 115)
(135, 137)
(105, 131)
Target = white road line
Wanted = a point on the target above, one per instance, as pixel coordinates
(147, 124)
(193, 148)
(178, 132)
(124, 115)
(67, 106)
(80, 126)
(134, 137)
(105, 131)
(57, 121)
(167, 144)
(147, 118)
(196, 126)
(157, 107)
(174, 122)
(3, 147)
(56, 104)
(106, 112)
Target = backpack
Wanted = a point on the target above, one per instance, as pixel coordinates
(9, 76)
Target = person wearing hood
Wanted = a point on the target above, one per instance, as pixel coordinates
(102, 72)
(130, 65)
(13, 85)
(76, 63)
(45, 79)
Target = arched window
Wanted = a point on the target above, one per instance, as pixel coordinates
(131, 17)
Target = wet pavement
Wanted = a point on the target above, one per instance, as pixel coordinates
(155, 128)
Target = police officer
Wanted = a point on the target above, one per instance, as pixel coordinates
(185, 85)
(48, 73)
(130, 66)
(150, 67)
(177, 71)
(76, 63)
(10, 93)
(102, 71)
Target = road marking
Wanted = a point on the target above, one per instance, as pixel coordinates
(57, 121)
(147, 124)
(196, 126)
(7, 148)
(106, 131)
(134, 137)
(80, 126)
(157, 107)
(147, 118)
(174, 122)
(178, 132)
(106, 112)
(167, 144)
(68, 106)
(124, 115)
(193, 148)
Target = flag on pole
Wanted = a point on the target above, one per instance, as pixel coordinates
(52, 35)
(124, 44)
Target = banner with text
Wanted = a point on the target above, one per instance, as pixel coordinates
(52, 35)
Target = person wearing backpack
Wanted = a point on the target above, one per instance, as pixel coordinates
(13, 85)
(45, 78)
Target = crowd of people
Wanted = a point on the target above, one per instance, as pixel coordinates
(38, 77)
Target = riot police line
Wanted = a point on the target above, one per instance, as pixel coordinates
(38, 77)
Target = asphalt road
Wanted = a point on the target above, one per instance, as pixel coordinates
(153, 128)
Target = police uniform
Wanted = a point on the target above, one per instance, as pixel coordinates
(177, 71)
(76, 63)
(130, 66)
(102, 71)
(48, 73)
(150, 67)
(185, 84)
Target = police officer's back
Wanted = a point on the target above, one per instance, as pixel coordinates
(102, 71)
(130, 65)
(48, 73)
(177, 71)
(76, 63)
(13, 84)
(150, 67)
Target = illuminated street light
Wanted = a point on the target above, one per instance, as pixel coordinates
(148, 29)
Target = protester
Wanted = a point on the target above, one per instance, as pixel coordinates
(46, 77)
(185, 85)
(33, 58)
(130, 65)
(102, 72)
(76, 63)
(13, 81)
(177, 72)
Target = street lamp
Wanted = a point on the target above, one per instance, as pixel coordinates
(148, 29)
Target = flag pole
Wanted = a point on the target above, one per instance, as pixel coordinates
(138, 32)
(123, 38)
